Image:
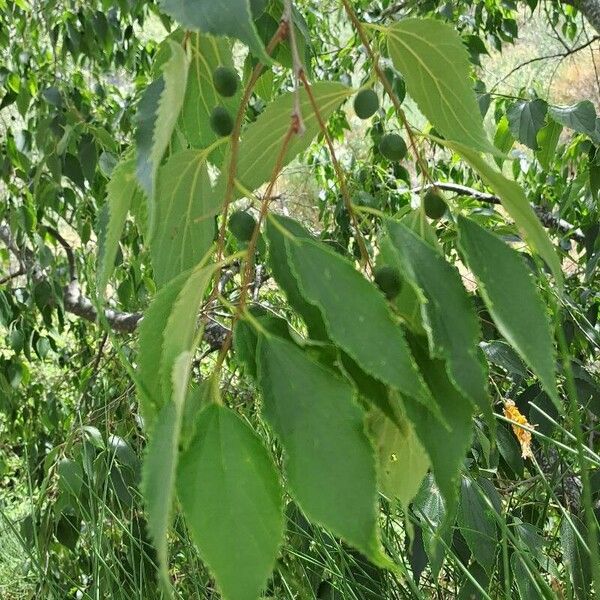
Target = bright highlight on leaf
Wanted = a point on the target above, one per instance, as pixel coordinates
(435, 65)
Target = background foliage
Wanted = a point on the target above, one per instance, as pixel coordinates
(113, 187)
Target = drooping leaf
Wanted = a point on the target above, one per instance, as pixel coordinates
(167, 330)
(547, 138)
(448, 314)
(150, 348)
(120, 191)
(185, 212)
(157, 115)
(512, 298)
(403, 462)
(332, 477)
(160, 464)
(580, 117)
(446, 448)
(503, 139)
(286, 279)
(525, 119)
(576, 556)
(356, 316)
(218, 17)
(435, 64)
(232, 500)
(207, 53)
(514, 201)
(477, 524)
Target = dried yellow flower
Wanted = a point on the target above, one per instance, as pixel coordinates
(512, 412)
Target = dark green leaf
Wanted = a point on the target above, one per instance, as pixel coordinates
(580, 117)
(526, 119)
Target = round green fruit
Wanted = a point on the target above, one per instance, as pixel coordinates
(393, 147)
(388, 280)
(221, 122)
(366, 104)
(434, 204)
(241, 225)
(226, 81)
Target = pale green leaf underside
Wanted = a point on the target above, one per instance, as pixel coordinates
(435, 64)
(120, 191)
(232, 501)
(183, 209)
(329, 461)
(448, 313)
(160, 463)
(158, 114)
(261, 141)
(580, 117)
(514, 201)
(168, 329)
(512, 298)
(356, 316)
(403, 462)
(218, 17)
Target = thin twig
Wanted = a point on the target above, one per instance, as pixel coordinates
(365, 259)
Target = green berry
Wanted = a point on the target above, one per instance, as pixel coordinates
(225, 80)
(221, 122)
(393, 147)
(241, 225)
(388, 280)
(434, 203)
(366, 104)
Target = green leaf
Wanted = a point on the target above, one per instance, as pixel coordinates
(503, 139)
(514, 201)
(160, 464)
(329, 463)
(448, 313)
(218, 17)
(512, 298)
(403, 462)
(576, 556)
(526, 119)
(477, 524)
(185, 212)
(158, 112)
(435, 64)
(356, 316)
(120, 191)
(232, 501)
(446, 448)
(261, 140)
(547, 138)
(167, 330)
(207, 53)
(580, 117)
(276, 230)
(501, 354)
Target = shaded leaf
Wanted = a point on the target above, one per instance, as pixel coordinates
(356, 316)
(448, 313)
(332, 477)
(526, 119)
(512, 298)
(547, 138)
(580, 117)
